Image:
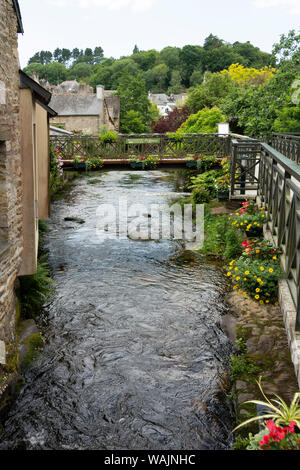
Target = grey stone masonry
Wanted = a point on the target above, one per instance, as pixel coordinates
(10, 169)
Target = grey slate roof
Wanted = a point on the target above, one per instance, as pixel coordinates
(76, 105)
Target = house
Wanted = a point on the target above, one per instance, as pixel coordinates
(24, 169)
(80, 110)
(166, 103)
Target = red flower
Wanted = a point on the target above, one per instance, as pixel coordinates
(265, 440)
(271, 425)
(245, 244)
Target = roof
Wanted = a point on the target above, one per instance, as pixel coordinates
(19, 17)
(76, 105)
(40, 94)
(58, 130)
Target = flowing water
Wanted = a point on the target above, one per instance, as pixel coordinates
(135, 356)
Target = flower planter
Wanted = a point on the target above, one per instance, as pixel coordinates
(80, 165)
(137, 165)
(222, 195)
(191, 163)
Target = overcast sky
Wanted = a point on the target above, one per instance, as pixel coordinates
(117, 25)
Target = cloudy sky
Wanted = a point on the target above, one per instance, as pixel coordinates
(117, 25)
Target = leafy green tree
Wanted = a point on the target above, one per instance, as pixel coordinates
(57, 55)
(211, 92)
(133, 97)
(170, 56)
(98, 55)
(55, 73)
(288, 119)
(212, 42)
(37, 68)
(258, 107)
(136, 50)
(205, 121)
(79, 72)
(146, 59)
(132, 123)
(221, 58)
(175, 83)
(191, 58)
(196, 78)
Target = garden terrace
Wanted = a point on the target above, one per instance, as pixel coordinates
(288, 145)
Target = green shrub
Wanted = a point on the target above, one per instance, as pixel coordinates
(200, 196)
(233, 245)
(108, 136)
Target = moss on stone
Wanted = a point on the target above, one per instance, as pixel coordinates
(35, 345)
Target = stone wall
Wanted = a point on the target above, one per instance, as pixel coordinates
(84, 124)
(10, 170)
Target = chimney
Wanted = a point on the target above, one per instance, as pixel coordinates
(100, 92)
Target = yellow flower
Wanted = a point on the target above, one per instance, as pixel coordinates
(258, 225)
(261, 302)
(229, 274)
(257, 290)
(247, 250)
(276, 304)
(245, 279)
(240, 292)
(271, 270)
(274, 257)
(258, 279)
(238, 278)
(262, 268)
(257, 297)
(235, 287)
(267, 301)
(236, 269)
(245, 294)
(247, 273)
(257, 252)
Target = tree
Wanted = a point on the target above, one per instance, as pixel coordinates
(57, 55)
(133, 97)
(221, 58)
(132, 123)
(288, 119)
(170, 56)
(55, 73)
(212, 42)
(211, 92)
(171, 122)
(79, 72)
(191, 58)
(136, 50)
(175, 83)
(98, 55)
(205, 121)
(240, 74)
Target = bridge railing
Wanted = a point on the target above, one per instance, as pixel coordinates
(129, 145)
(287, 144)
(257, 169)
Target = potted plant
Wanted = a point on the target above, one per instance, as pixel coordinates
(137, 163)
(109, 137)
(79, 163)
(250, 218)
(191, 162)
(222, 188)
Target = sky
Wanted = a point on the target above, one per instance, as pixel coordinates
(117, 25)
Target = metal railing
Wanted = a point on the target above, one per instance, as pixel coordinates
(287, 144)
(257, 169)
(160, 145)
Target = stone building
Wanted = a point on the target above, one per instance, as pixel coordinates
(24, 168)
(166, 103)
(80, 110)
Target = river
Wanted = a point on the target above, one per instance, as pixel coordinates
(135, 356)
